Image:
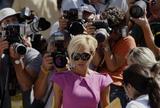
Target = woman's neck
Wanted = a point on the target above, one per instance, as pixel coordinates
(82, 72)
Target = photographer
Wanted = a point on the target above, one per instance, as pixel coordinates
(25, 66)
(148, 35)
(73, 19)
(145, 29)
(45, 8)
(112, 52)
(55, 60)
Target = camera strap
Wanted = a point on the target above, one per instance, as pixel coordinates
(48, 95)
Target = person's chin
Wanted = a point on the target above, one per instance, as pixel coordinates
(81, 65)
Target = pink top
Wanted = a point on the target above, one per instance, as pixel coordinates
(81, 92)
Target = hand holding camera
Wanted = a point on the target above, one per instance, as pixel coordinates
(141, 21)
(89, 28)
(13, 51)
(138, 9)
(47, 63)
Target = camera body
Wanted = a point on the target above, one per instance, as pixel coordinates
(60, 55)
(75, 17)
(73, 14)
(13, 34)
(155, 27)
(138, 9)
(29, 24)
(102, 30)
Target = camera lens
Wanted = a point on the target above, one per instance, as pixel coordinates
(138, 9)
(19, 48)
(76, 28)
(101, 35)
(59, 59)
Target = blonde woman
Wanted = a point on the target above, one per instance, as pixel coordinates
(81, 87)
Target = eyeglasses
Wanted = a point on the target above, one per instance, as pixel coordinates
(83, 56)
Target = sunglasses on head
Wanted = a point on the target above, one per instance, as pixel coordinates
(83, 56)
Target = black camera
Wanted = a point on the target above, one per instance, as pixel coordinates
(13, 34)
(76, 27)
(73, 14)
(138, 9)
(60, 55)
(75, 17)
(155, 27)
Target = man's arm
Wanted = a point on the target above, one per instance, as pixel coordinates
(28, 67)
(148, 35)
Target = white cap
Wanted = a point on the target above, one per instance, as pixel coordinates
(102, 31)
(6, 12)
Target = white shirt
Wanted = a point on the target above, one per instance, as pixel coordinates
(68, 4)
(140, 102)
(121, 4)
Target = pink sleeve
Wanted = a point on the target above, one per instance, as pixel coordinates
(59, 78)
(105, 81)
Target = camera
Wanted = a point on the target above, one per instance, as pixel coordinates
(138, 9)
(76, 27)
(75, 17)
(38, 24)
(102, 30)
(156, 32)
(32, 23)
(60, 55)
(101, 35)
(13, 34)
(73, 14)
(19, 48)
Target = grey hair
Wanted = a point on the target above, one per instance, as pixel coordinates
(143, 56)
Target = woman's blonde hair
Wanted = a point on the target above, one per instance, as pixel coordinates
(81, 40)
(143, 56)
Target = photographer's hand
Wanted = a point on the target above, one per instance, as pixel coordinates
(27, 41)
(90, 29)
(13, 54)
(106, 45)
(142, 21)
(148, 35)
(63, 23)
(3, 45)
(47, 63)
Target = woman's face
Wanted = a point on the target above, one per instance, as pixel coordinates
(81, 58)
(129, 91)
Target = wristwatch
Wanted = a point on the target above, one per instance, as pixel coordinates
(17, 62)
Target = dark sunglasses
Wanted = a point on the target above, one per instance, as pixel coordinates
(83, 56)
